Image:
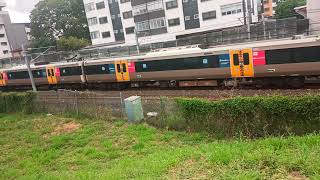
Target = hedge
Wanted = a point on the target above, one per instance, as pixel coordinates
(253, 116)
(17, 102)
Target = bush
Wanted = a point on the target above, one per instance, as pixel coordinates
(253, 116)
(17, 102)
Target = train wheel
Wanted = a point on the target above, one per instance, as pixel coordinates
(173, 84)
(296, 82)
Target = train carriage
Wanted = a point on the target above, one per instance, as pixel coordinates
(279, 62)
(188, 67)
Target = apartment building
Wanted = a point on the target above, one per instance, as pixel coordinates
(269, 7)
(4, 41)
(122, 22)
(12, 35)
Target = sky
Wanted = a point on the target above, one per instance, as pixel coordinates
(19, 10)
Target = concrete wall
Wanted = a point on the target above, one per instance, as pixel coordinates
(313, 14)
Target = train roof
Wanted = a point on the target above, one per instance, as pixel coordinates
(187, 51)
(24, 67)
(267, 45)
(157, 54)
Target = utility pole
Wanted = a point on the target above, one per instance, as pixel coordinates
(29, 68)
(244, 12)
(247, 15)
(137, 41)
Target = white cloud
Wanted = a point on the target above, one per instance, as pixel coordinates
(10, 3)
(19, 10)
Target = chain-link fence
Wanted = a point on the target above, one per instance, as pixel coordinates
(267, 30)
(159, 106)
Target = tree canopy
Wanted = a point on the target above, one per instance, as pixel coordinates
(285, 8)
(71, 43)
(53, 19)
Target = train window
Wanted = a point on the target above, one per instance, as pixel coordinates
(306, 54)
(236, 59)
(178, 64)
(124, 67)
(246, 59)
(70, 71)
(118, 68)
(39, 73)
(19, 75)
(279, 56)
(49, 73)
(97, 69)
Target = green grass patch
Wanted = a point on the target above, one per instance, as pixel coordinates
(56, 147)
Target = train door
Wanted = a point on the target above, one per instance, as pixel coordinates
(122, 71)
(241, 63)
(1, 79)
(51, 75)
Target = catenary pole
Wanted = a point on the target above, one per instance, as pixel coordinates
(137, 40)
(27, 61)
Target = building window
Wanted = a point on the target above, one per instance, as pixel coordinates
(130, 30)
(105, 34)
(209, 15)
(137, 10)
(5, 52)
(266, 9)
(127, 15)
(92, 21)
(95, 35)
(89, 7)
(174, 22)
(124, 1)
(149, 7)
(103, 20)
(155, 6)
(171, 4)
(1, 35)
(100, 5)
(157, 23)
(142, 26)
(230, 9)
(4, 43)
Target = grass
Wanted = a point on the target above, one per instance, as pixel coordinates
(32, 149)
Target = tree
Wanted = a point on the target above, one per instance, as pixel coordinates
(285, 8)
(53, 19)
(71, 43)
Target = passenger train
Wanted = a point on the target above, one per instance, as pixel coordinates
(281, 63)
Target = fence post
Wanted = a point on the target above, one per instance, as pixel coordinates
(121, 105)
(76, 103)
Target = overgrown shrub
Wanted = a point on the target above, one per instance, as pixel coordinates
(253, 116)
(17, 102)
